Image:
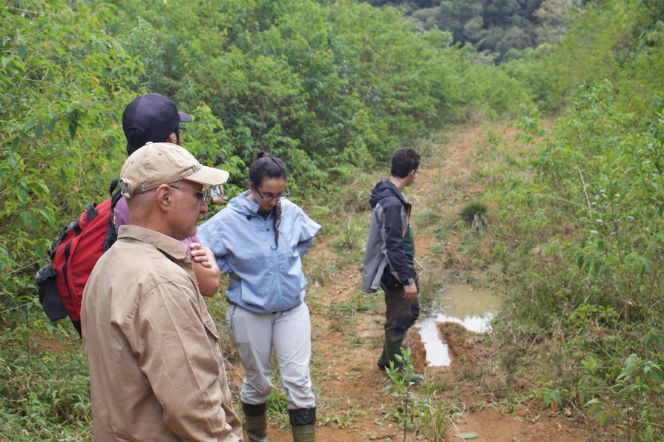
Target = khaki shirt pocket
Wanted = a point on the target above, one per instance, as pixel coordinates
(211, 327)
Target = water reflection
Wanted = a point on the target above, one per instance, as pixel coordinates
(461, 303)
(437, 351)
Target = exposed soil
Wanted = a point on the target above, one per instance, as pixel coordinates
(352, 400)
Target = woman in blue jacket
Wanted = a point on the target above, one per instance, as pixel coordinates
(259, 239)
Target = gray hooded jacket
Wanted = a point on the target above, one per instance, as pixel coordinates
(385, 248)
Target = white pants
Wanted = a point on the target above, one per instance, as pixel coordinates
(289, 333)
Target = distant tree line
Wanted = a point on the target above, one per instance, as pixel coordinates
(499, 28)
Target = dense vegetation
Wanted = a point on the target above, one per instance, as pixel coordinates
(584, 239)
(328, 85)
(333, 87)
(500, 29)
(329, 98)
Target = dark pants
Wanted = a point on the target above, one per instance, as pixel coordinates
(400, 314)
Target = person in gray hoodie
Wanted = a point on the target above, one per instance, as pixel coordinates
(390, 254)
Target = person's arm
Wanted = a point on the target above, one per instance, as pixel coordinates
(308, 230)
(218, 196)
(393, 233)
(206, 269)
(304, 246)
(396, 255)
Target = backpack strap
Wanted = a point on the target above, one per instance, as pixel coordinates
(113, 185)
(91, 212)
(111, 231)
(75, 226)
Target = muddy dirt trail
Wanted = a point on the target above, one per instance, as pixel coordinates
(347, 326)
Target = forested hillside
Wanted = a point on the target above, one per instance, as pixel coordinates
(500, 29)
(333, 87)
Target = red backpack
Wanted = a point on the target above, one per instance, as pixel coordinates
(73, 256)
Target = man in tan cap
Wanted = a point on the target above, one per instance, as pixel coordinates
(156, 369)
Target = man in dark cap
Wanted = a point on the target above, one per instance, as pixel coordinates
(152, 117)
(155, 118)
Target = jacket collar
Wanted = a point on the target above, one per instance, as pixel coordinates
(172, 247)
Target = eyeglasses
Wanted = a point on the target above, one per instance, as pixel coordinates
(267, 196)
(202, 195)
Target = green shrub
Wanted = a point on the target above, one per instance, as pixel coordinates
(62, 85)
(474, 214)
(583, 230)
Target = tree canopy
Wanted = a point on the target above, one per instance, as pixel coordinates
(500, 28)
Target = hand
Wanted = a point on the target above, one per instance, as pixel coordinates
(201, 255)
(217, 196)
(410, 292)
(219, 200)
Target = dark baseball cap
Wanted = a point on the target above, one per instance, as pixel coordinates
(150, 117)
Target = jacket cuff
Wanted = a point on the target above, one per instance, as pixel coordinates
(409, 281)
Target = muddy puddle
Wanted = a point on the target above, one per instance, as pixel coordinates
(460, 303)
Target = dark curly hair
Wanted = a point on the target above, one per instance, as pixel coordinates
(404, 161)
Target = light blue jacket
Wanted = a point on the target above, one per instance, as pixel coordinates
(263, 278)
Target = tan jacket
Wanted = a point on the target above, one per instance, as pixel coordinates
(156, 369)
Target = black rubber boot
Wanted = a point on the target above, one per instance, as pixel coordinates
(303, 424)
(255, 422)
(390, 350)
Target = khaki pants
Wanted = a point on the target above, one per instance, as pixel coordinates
(289, 334)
